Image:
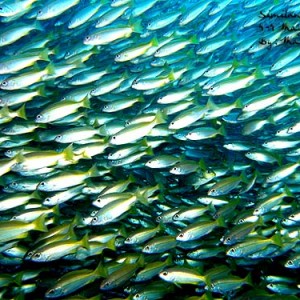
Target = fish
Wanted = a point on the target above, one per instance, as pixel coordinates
(181, 275)
(67, 285)
(18, 229)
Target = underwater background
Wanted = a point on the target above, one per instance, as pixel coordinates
(149, 149)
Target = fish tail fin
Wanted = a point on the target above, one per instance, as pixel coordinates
(68, 152)
(50, 69)
(19, 278)
(142, 198)
(137, 26)
(258, 74)
(244, 178)
(222, 130)
(171, 76)
(221, 222)
(141, 261)
(160, 118)
(149, 151)
(39, 224)
(35, 195)
(38, 26)
(238, 103)
(100, 270)
(202, 164)
(288, 192)
(270, 120)
(44, 55)
(86, 102)
(111, 244)
(248, 279)
(194, 39)
(21, 112)
(131, 178)
(93, 171)
(276, 239)
(122, 231)
(41, 91)
(210, 105)
(286, 91)
(154, 42)
(55, 210)
(84, 242)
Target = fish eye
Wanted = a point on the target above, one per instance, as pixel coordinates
(37, 255)
(176, 216)
(147, 248)
(271, 285)
(149, 24)
(38, 117)
(158, 218)
(137, 295)
(4, 82)
(95, 219)
(211, 88)
(290, 262)
(87, 38)
(228, 239)
(58, 137)
(47, 200)
(107, 283)
(232, 250)
(256, 210)
(114, 137)
(13, 184)
(165, 273)
(290, 129)
(181, 235)
(213, 191)
(128, 239)
(118, 56)
(42, 183)
(39, 12)
(175, 169)
(135, 81)
(292, 216)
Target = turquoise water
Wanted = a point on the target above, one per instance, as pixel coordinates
(149, 149)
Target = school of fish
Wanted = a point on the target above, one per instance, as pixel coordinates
(149, 149)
